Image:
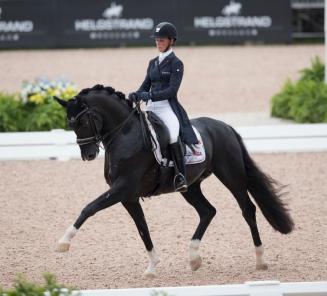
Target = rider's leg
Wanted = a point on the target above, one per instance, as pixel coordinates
(178, 158)
(164, 111)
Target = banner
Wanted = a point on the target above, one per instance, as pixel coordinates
(105, 23)
(27, 24)
(236, 21)
(111, 23)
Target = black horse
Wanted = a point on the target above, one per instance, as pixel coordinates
(102, 115)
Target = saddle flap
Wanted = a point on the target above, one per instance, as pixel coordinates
(161, 131)
(160, 141)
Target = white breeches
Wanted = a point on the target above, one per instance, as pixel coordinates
(163, 110)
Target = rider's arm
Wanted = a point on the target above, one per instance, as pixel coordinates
(146, 85)
(177, 70)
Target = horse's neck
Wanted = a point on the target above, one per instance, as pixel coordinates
(115, 113)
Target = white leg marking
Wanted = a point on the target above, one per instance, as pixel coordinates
(195, 258)
(150, 272)
(64, 241)
(260, 263)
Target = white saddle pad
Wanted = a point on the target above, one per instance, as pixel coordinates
(191, 157)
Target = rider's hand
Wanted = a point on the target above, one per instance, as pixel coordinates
(145, 96)
(134, 97)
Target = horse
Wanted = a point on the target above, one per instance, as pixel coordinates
(102, 115)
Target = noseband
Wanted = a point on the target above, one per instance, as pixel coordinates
(97, 137)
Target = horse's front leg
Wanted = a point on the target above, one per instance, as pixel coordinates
(107, 199)
(136, 212)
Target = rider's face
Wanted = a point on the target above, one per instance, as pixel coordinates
(163, 43)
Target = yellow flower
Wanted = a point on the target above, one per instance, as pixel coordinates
(36, 98)
(69, 92)
(53, 92)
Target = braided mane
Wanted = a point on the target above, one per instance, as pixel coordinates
(110, 91)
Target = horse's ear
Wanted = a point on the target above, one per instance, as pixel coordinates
(81, 102)
(61, 102)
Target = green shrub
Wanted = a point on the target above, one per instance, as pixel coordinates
(16, 116)
(23, 287)
(11, 113)
(304, 100)
(44, 117)
(34, 109)
(316, 72)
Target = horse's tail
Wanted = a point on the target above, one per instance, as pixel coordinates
(267, 193)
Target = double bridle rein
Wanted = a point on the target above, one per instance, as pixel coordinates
(97, 138)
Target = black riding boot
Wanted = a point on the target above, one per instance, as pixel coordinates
(178, 158)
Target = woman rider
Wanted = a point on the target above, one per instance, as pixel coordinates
(159, 89)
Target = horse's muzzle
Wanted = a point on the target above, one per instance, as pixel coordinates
(90, 155)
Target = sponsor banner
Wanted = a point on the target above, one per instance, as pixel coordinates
(110, 23)
(25, 23)
(101, 23)
(236, 21)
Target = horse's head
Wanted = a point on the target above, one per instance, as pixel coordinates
(86, 124)
(94, 114)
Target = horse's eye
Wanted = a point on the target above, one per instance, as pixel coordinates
(84, 122)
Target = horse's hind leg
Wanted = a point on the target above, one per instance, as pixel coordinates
(136, 212)
(248, 212)
(206, 212)
(235, 181)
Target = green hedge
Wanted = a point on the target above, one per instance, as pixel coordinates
(34, 108)
(16, 116)
(304, 100)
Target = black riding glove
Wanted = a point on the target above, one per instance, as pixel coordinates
(134, 97)
(145, 96)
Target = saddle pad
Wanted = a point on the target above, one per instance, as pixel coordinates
(191, 157)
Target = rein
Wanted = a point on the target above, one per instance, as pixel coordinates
(97, 138)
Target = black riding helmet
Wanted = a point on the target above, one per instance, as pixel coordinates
(165, 30)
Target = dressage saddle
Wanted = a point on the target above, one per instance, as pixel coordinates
(162, 133)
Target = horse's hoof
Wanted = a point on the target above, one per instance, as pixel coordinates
(149, 274)
(63, 247)
(262, 266)
(196, 263)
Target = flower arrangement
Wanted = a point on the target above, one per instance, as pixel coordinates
(42, 90)
(34, 109)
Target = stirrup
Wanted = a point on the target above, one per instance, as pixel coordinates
(182, 187)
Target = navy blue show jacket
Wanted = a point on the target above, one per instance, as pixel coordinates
(163, 81)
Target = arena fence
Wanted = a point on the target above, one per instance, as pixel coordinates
(61, 145)
(258, 288)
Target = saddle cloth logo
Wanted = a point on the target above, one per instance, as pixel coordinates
(191, 157)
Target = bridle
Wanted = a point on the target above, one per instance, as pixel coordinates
(97, 138)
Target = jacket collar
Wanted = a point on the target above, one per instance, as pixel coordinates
(166, 60)
(165, 54)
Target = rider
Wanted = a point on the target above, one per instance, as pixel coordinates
(159, 89)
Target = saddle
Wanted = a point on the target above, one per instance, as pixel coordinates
(159, 135)
(162, 134)
(160, 143)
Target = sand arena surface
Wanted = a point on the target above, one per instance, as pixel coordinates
(39, 199)
(217, 79)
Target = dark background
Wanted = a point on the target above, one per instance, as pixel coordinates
(54, 22)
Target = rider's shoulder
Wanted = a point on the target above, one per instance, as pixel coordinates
(153, 60)
(177, 61)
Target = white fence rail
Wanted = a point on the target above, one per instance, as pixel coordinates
(60, 144)
(259, 288)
